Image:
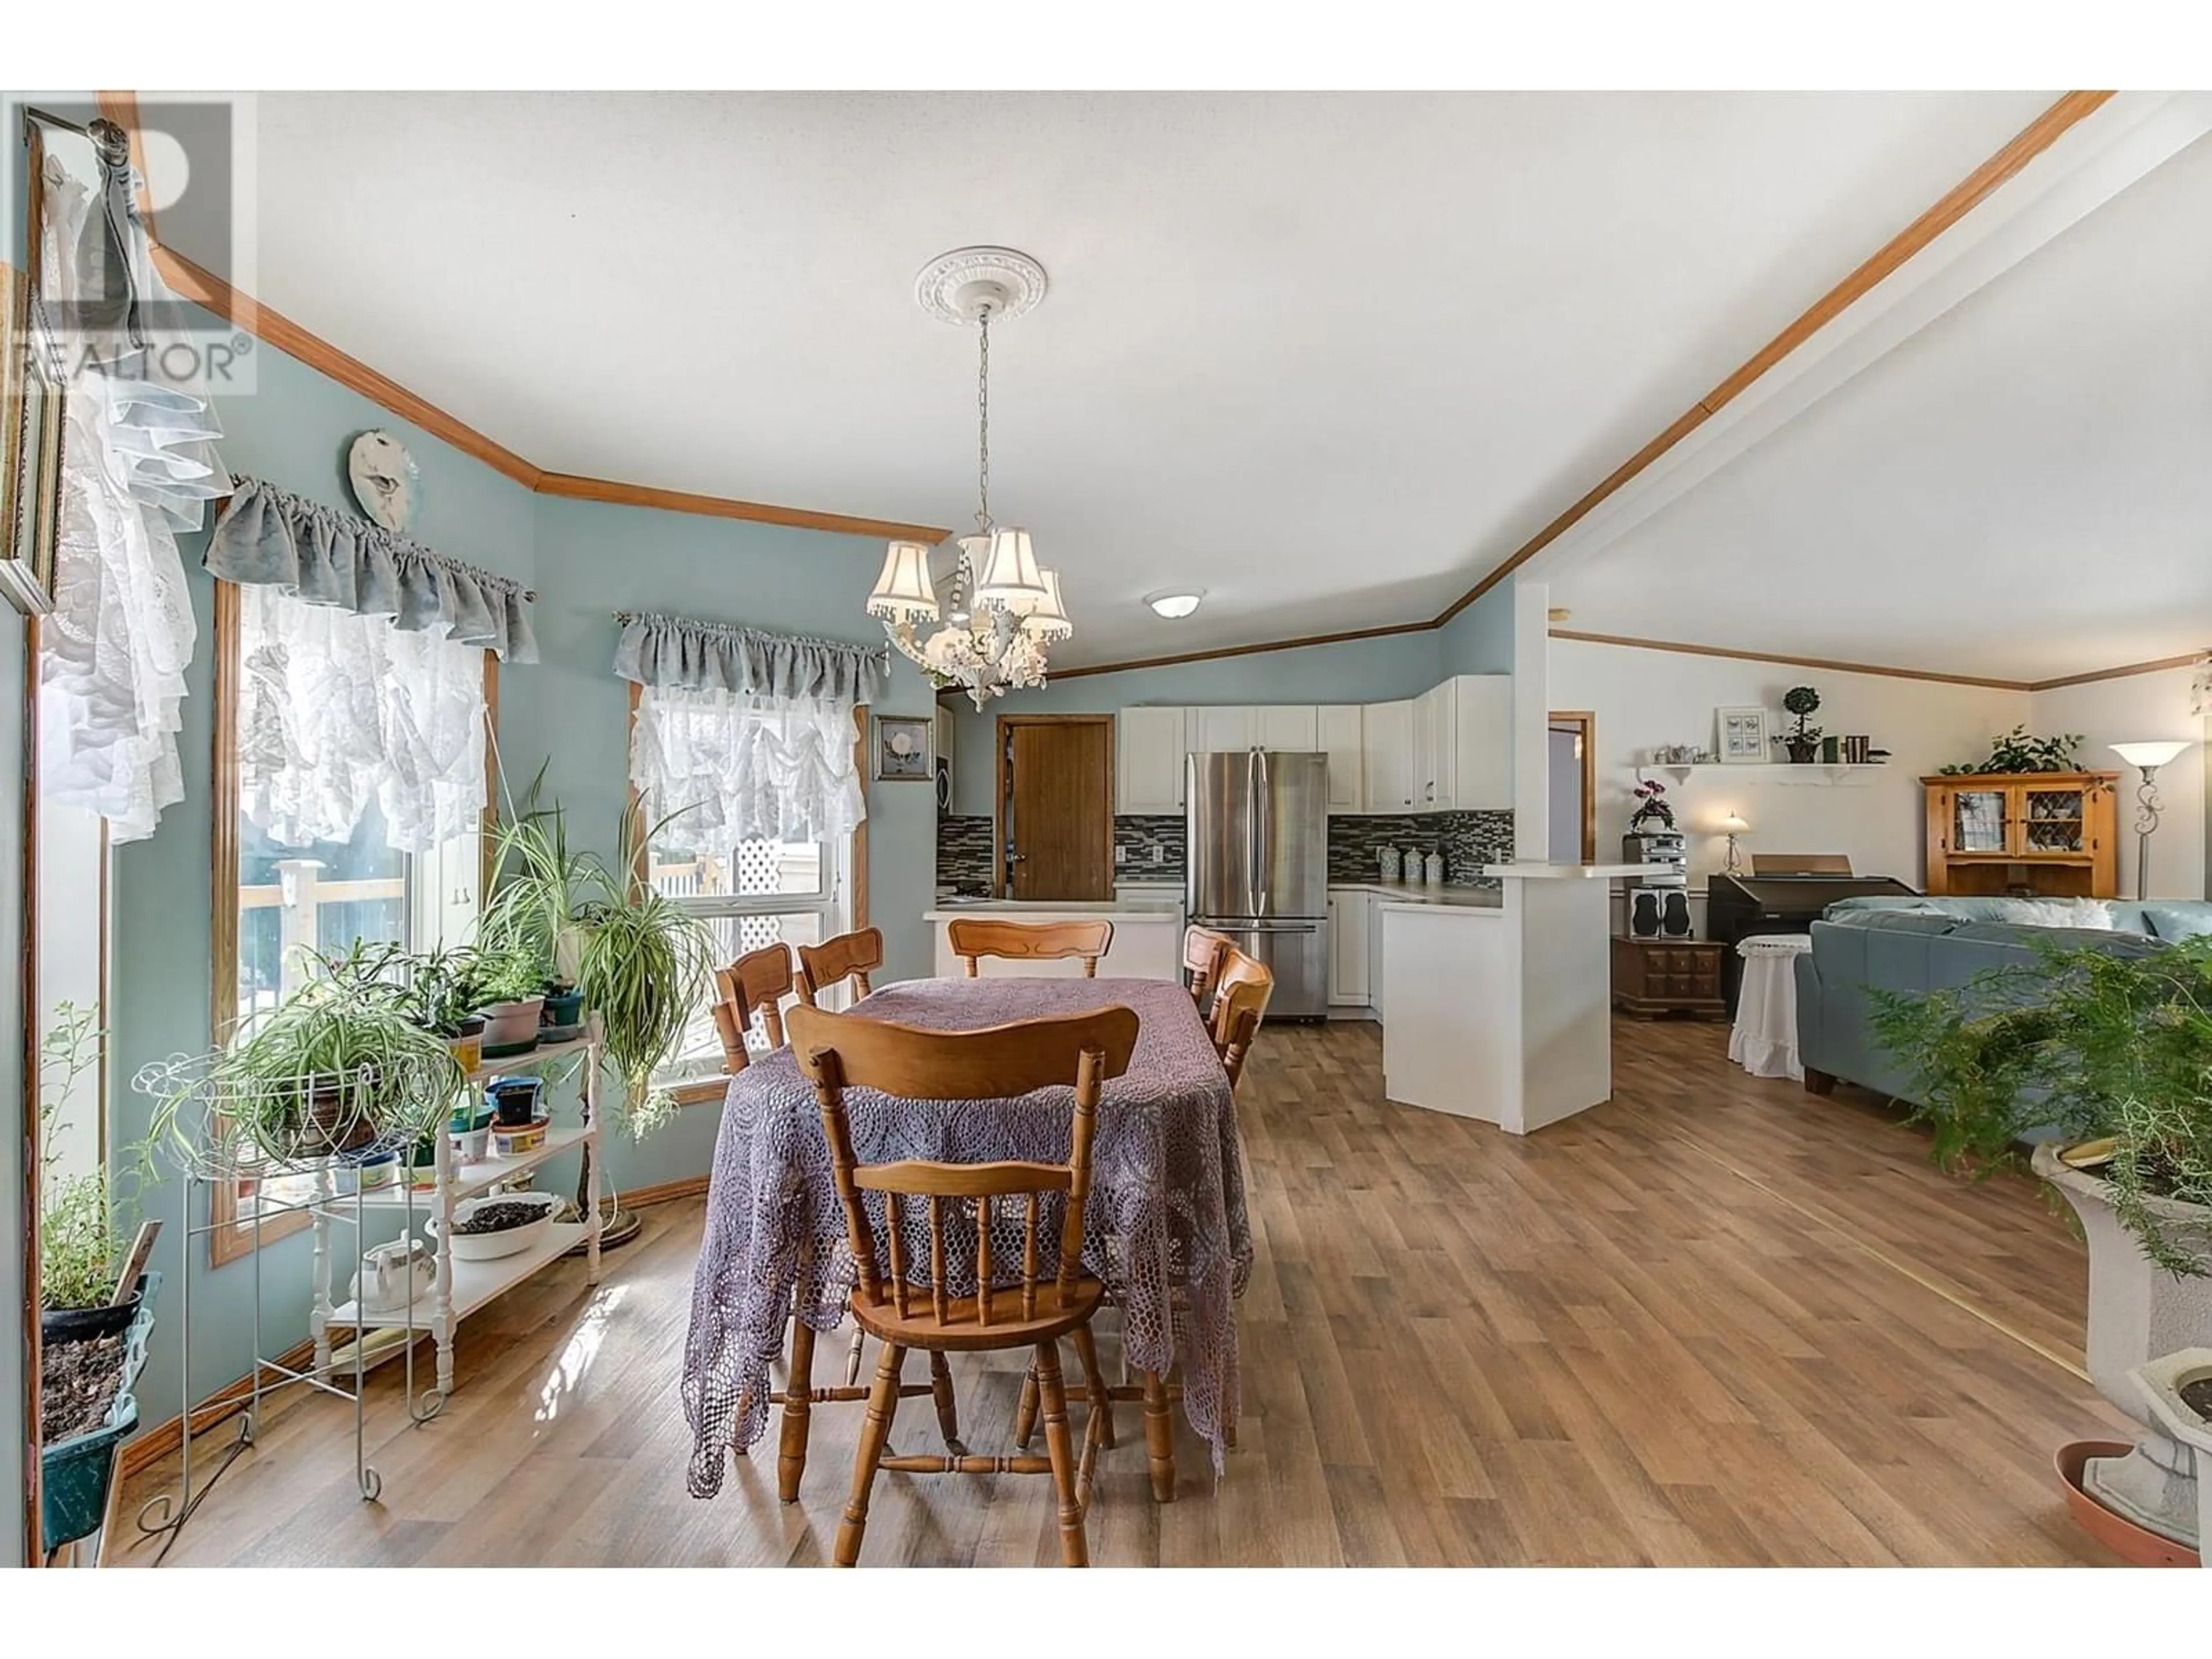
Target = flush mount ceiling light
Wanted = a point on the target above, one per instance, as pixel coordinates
(1003, 609)
(1175, 603)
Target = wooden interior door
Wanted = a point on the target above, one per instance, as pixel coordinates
(1056, 805)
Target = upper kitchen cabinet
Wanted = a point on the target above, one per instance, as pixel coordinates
(1149, 747)
(1482, 743)
(1215, 730)
(1293, 727)
(1336, 735)
(1435, 755)
(1385, 746)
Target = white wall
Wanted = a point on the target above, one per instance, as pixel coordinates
(2141, 706)
(1645, 699)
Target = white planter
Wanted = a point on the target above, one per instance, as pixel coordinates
(2137, 1312)
(2161, 1382)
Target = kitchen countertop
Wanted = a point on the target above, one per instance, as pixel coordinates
(949, 909)
(1418, 892)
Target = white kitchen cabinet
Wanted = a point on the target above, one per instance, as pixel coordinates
(1386, 744)
(1433, 749)
(1482, 741)
(1347, 946)
(1336, 735)
(1375, 957)
(1294, 727)
(1220, 729)
(1148, 750)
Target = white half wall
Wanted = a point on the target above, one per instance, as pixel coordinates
(2133, 708)
(1645, 699)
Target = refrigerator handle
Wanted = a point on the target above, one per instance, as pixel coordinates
(1251, 837)
(1263, 816)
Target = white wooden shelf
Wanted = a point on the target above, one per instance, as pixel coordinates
(500, 1065)
(475, 1284)
(1812, 772)
(470, 1179)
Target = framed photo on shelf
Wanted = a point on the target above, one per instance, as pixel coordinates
(33, 406)
(1742, 736)
(903, 749)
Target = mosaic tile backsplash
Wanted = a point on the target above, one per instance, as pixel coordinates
(1467, 840)
(963, 854)
(1135, 836)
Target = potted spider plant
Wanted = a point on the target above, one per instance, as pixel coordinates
(539, 892)
(2105, 1062)
(340, 1066)
(443, 991)
(510, 991)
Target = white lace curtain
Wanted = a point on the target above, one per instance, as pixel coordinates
(138, 467)
(749, 735)
(338, 709)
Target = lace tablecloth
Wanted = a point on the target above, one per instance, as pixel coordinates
(1165, 1228)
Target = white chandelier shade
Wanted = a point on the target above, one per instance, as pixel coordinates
(1049, 620)
(903, 591)
(1006, 574)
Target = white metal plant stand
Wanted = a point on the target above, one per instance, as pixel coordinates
(209, 1154)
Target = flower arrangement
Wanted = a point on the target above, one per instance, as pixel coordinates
(1652, 806)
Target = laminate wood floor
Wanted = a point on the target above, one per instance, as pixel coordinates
(1717, 1320)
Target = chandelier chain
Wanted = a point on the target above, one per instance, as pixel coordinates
(983, 423)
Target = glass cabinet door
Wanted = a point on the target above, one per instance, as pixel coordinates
(1978, 821)
(2051, 819)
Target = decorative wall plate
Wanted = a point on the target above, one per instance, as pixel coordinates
(386, 485)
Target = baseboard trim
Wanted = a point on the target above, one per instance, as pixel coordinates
(665, 1192)
(158, 1442)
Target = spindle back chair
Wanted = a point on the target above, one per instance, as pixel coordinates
(759, 980)
(903, 1309)
(848, 955)
(1202, 963)
(975, 937)
(1240, 1004)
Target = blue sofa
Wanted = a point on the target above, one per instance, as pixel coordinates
(1935, 943)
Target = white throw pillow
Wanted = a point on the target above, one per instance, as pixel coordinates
(2059, 913)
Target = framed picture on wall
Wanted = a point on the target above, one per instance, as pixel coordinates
(1742, 736)
(33, 406)
(903, 749)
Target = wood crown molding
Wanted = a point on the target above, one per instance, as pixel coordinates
(1833, 665)
(1961, 199)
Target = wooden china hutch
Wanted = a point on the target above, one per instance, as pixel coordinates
(2040, 834)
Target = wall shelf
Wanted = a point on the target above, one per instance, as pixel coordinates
(1812, 772)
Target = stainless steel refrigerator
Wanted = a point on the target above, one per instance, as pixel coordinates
(1257, 864)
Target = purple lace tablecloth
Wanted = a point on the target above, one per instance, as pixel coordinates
(1165, 1228)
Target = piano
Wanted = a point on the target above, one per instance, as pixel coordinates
(1785, 893)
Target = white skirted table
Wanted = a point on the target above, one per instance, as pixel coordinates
(1765, 1040)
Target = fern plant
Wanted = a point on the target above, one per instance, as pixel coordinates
(2096, 1044)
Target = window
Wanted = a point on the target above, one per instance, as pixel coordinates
(275, 904)
(750, 893)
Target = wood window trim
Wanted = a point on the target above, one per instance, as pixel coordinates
(699, 1091)
(228, 1240)
(1585, 722)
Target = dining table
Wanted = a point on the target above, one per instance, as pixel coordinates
(1165, 1228)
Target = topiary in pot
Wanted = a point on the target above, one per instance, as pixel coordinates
(1803, 741)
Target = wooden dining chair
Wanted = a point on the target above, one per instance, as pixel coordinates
(1240, 1004)
(973, 938)
(848, 955)
(1202, 963)
(757, 982)
(959, 1204)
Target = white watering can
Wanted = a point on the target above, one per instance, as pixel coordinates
(393, 1275)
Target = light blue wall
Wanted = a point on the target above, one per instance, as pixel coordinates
(292, 431)
(594, 559)
(1350, 671)
(1480, 639)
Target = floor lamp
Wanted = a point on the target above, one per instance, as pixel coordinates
(2147, 758)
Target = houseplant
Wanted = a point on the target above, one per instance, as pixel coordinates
(1803, 741)
(78, 1237)
(2112, 1054)
(510, 989)
(2016, 752)
(444, 987)
(1652, 806)
(337, 1066)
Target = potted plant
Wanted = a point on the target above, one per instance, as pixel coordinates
(510, 990)
(540, 891)
(78, 1240)
(2111, 1056)
(1803, 741)
(443, 991)
(2016, 752)
(337, 1066)
(1652, 806)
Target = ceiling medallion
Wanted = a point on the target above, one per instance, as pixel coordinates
(1002, 609)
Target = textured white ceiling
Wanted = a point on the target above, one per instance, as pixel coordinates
(2023, 489)
(1330, 356)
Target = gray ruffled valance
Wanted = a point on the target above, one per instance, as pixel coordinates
(272, 538)
(676, 653)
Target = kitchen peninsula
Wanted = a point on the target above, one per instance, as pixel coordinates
(1501, 1011)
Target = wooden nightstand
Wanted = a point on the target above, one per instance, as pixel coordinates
(1669, 976)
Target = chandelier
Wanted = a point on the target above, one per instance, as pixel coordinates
(1001, 611)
